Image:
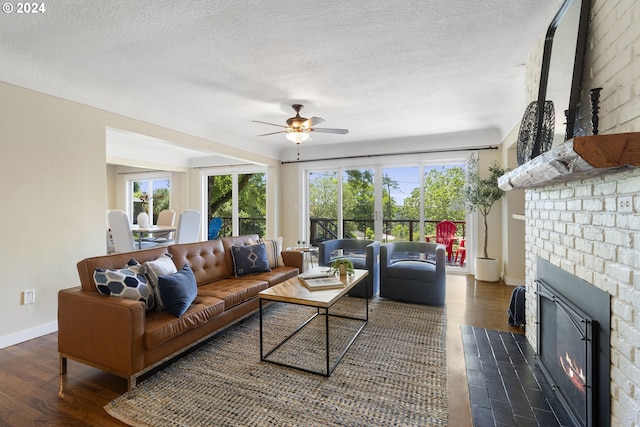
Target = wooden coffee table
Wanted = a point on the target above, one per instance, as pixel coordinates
(293, 291)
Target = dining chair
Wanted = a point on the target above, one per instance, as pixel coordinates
(445, 234)
(121, 233)
(165, 217)
(188, 227)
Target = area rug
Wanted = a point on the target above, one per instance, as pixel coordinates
(393, 375)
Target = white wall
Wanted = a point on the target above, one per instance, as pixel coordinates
(52, 173)
(512, 204)
(53, 176)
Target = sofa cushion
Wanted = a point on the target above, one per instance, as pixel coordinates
(274, 251)
(233, 291)
(228, 242)
(178, 290)
(162, 266)
(209, 260)
(276, 275)
(162, 326)
(88, 266)
(249, 259)
(410, 270)
(127, 282)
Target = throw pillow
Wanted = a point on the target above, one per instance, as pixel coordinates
(163, 266)
(178, 290)
(249, 259)
(127, 283)
(274, 251)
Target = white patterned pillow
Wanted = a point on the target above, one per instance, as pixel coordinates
(274, 251)
(162, 266)
(127, 283)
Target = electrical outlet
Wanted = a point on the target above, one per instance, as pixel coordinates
(625, 204)
(29, 296)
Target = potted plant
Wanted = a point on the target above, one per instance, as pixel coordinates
(480, 194)
(343, 266)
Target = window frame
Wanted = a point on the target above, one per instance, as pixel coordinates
(140, 177)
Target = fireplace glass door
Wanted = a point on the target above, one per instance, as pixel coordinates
(566, 351)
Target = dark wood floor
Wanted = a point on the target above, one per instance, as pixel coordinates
(30, 392)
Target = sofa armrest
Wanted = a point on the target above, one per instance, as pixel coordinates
(373, 254)
(373, 261)
(440, 252)
(105, 332)
(293, 259)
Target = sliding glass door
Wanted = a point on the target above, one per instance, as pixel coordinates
(358, 203)
(401, 204)
(385, 203)
(323, 206)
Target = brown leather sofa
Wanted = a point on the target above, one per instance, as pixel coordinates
(119, 336)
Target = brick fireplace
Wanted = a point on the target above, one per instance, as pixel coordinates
(590, 228)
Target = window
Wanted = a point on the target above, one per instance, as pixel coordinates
(148, 193)
(239, 199)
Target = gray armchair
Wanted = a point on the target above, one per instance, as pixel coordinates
(413, 272)
(364, 254)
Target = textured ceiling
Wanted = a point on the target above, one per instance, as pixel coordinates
(383, 69)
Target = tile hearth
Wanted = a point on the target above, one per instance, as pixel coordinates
(506, 386)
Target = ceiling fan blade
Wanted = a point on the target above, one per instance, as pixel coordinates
(329, 130)
(272, 133)
(267, 123)
(313, 121)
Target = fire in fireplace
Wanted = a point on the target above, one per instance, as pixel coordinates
(574, 372)
(573, 343)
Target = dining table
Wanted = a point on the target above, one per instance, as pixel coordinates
(156, 231)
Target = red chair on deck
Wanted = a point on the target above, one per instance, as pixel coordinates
(445, 234)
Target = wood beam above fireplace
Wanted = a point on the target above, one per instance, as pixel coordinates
(577, 158)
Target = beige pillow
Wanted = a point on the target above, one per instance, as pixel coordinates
(162, 266)
(274, 249)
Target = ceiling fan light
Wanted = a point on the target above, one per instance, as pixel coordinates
(297, 137)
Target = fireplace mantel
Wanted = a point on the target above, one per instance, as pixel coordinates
(577, 158)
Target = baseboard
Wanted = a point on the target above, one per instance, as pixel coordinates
(28, 334)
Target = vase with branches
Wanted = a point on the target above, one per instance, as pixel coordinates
(143, 216)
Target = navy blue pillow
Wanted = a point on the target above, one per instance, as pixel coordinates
(250, 259)
(178, 290)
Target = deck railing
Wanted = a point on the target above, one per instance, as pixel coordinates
(401, 229)
(327, 228)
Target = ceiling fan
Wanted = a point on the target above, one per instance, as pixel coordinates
(298, 128)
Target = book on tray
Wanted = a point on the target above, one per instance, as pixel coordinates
(331, 282)
(316, 273)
